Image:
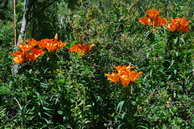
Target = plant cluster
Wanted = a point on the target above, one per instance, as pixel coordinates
(66, 84)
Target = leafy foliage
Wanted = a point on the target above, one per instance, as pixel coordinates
(65, 90)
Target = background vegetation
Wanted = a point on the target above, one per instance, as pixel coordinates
(63, 90)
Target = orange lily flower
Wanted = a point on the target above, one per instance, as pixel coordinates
(153, 18)
(81, 48)
(18, 60)
(32, 42)
(159, 21)
(17, 53)
(123, 68)
(34, 54)
(29, 51)
(152, 13)
(60, 44)
(37, 52)
(51, 44)
(129, 77)
(25, 47)
(114, 77)
(26, 54)
(19, 57)
(125, 75)
(179, 25)
(145, 20)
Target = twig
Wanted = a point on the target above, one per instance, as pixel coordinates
(22, 33)
(14, 22)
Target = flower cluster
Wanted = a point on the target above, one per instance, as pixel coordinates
(51, 44)
(81, 48)
(179, 25)
(125, 75)
(152, 18)
(32, 49)
(26, 54)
